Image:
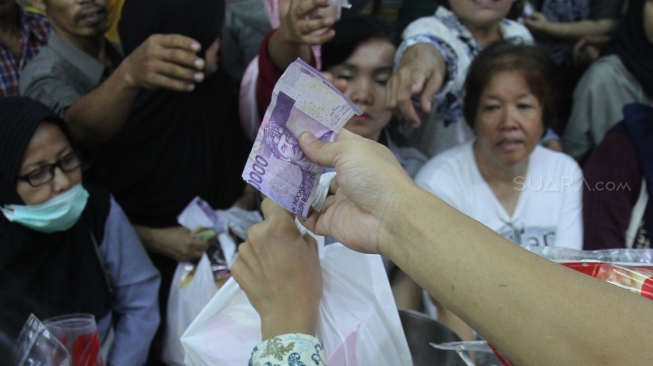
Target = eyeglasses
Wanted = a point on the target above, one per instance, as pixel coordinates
(45, 173)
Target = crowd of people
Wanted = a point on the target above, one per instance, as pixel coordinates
(486, 126)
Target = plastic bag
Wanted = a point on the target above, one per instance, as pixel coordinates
(631, 269)
(184, 304)
(230, 225)
(194, 284)
(475, 353)
(37, 347)
(358, 322)
(78, 333)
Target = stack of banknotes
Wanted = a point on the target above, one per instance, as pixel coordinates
(302, 100)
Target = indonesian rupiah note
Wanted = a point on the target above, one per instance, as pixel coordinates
(302, 100)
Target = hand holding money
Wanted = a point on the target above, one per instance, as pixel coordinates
(303, 100)
(369, 189)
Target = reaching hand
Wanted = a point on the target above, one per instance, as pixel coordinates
(280, 272)
(174, 242)
(421, 70)
(303, 25)
(164, 61)
(368, 178)
(588, 49)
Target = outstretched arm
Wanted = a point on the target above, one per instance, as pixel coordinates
(162, 61)
(421, 70)
(300, 28)
(503, 291)
(572, 31)
(287, 297)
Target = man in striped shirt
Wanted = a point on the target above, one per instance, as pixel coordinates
(22, 34)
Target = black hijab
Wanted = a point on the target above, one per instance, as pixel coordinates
(46, 274)
(633, 47)
(174, 145)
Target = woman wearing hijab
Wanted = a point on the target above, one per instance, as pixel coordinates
(66, 247)
(623, 75)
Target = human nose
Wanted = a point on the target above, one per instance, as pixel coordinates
(510, 119)
(361, 92)
(61, 180)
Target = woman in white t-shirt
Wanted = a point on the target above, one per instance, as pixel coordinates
(527, 193)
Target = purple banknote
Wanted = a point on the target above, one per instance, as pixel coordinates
(302, 100)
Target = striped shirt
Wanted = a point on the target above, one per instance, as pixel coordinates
(63, 73)
(34, 31)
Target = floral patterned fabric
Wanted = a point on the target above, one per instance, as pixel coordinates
(445, 127)
(289, 350)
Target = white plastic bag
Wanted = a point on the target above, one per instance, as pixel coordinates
(184, 304)
(358, 324)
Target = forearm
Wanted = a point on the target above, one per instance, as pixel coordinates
(509, 295)
(148, 237)
(280, 324)
(101, 114)
(284, 52)
(139, 318)
(577, 30)
(446, 317)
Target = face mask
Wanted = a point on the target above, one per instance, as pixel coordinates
(57, 214)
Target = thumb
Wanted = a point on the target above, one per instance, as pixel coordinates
(324, 153)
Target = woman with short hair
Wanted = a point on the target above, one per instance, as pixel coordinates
(502, 178)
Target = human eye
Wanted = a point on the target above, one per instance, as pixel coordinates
(382, 78)
(344, 76)
(491, 107)
(38, 175)
(70, 161)
(524, 106)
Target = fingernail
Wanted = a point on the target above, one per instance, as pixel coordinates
(199, 76)
(190, 87)
(195, 47)
(199, 63)
(308, 137)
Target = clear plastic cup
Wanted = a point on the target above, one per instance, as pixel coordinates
(78, 333)
(37, 347)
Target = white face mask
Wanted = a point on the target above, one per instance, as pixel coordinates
(57, 214)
